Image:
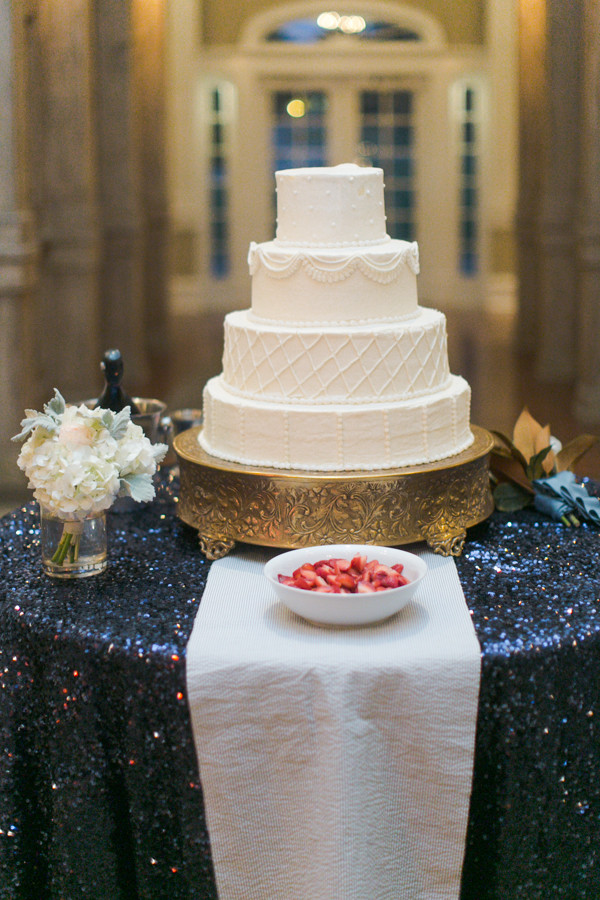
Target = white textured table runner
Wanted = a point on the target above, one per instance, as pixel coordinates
(335, 764)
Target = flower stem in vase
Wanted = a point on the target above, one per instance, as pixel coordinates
(73, 548)
(69, 543)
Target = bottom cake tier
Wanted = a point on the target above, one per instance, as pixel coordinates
(337, 437)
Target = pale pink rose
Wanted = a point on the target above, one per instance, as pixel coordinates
(76, 433)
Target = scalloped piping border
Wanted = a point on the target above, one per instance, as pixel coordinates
(331, 269)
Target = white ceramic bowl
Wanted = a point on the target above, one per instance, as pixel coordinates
(345, 609)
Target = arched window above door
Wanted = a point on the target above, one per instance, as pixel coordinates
(314, 24)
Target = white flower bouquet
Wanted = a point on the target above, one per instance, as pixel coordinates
(79, 460)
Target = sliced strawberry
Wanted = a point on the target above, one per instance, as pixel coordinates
(340, 565)
(363, 587)
(359, 562)
(343, 576)
(346, 581)
(286, 579)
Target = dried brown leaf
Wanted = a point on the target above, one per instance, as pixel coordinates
(525, 433)
(572, 452)
(507, 468)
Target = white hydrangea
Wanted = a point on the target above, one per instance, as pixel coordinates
(78, 460)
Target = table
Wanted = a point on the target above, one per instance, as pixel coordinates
(99, 791)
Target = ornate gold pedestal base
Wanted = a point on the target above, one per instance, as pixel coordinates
(436, 502)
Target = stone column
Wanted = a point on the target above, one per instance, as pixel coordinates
(532, 113)
(555, 327)
(150, 32)
(16, 258)
(119, 182)
(588, 374)
(62, 138)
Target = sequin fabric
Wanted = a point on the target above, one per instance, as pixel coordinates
(99, 791)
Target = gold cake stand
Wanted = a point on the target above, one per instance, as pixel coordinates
(437, 502)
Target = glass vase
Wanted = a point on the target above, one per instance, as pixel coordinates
(73, 549)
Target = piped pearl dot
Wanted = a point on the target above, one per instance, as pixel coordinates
(328, 192)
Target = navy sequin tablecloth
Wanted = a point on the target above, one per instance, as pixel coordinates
(99, 790)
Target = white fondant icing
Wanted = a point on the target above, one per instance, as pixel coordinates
(381, 268)
(337, 437)
(351, 196)
(335, 367)
(333, 285)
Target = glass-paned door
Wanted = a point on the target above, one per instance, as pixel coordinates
(387, 141)
(299, 131)
(469, 197)
(380, 133)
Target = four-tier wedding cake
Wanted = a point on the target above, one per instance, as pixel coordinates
(335, 367)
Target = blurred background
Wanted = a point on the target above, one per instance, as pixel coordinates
(138, 144)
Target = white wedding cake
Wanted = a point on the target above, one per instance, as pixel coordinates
(335, 367)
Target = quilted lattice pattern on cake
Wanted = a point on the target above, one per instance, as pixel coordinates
(328, 365)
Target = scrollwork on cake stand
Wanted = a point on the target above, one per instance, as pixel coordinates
(435, 503)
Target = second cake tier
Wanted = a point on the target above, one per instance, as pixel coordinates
(355, 364)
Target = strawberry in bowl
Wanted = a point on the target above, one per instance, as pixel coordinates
(345, 584)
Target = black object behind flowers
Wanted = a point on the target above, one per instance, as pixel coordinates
(114, 396)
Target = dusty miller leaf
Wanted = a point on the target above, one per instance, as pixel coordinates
(139, 487)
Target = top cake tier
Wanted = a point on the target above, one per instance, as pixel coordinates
(340, 206)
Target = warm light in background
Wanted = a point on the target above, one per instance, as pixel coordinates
(296, 108)
(329, 20)
(352, 24)
(332, 21)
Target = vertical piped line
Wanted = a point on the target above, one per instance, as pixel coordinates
(455, 421)
(210, 417)
(424, 432)
(242, 432)
(286, 437)
(339, 431)
(386, 437)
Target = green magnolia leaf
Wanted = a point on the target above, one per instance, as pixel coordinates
(139, 487)
(535, 468)
(511, 448)
(509, 497)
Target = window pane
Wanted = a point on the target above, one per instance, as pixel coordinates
(387, 141)
(350, 28)
(218, 175)
(298, 135)
(468, 262)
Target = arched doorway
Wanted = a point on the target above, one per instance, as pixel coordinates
(293, 92)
